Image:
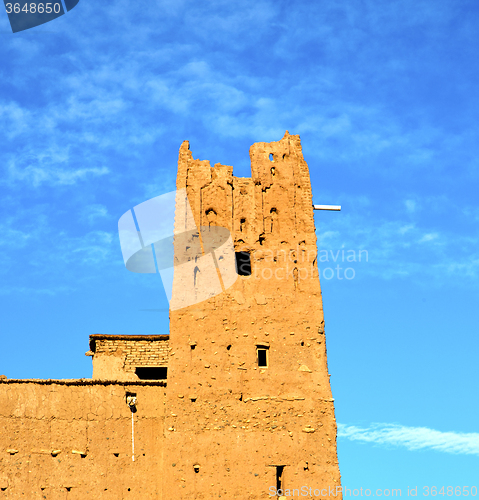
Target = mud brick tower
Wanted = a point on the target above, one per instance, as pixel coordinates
(249, 408)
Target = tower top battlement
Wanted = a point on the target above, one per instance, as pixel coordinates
(275, 203)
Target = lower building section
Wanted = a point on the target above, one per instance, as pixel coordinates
(87, 439)
(250, 448)
(80, 440)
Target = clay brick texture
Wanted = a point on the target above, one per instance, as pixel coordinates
(118, 357)
(246, 408)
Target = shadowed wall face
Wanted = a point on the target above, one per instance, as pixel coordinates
(249, 400)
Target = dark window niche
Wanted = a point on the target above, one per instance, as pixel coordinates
(151, 372)
(262, 353)
(279, 477)
(243, 263)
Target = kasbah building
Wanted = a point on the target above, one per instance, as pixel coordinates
(235, 403)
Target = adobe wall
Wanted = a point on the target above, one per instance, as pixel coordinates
(115, 357)
(233, 420)
(73, 440)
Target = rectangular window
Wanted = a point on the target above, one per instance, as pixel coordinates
(151, 372)
(262, 353)
(279, 478)
(243, 263)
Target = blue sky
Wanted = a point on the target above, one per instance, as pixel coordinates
(93, 109)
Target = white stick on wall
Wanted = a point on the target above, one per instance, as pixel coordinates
(131, 402)
(132, 438)
(336, 208)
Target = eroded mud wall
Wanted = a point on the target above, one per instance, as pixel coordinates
(73, 440)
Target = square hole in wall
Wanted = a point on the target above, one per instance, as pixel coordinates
(151, 372)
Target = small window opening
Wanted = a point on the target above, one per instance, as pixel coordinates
(261, 239)
(271, 157)
(279, 477)
(262, 357)
(274, 214)
(242, 224)
(302, 343)
(116, 455)
(151, 372)
(68, 488)
(196, 468)
(210, 216)
(243, 263)
(228, 347)
(193, 347)
(193, 400)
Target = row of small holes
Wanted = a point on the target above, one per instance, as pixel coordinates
(228, 347)
(271, 157)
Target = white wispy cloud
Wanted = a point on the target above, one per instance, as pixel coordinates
(412, 438)
(95, 248)
(48, 167)
(428, 237)
(94, 212)
(9, 236)
(13, 118)
(411, 205)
